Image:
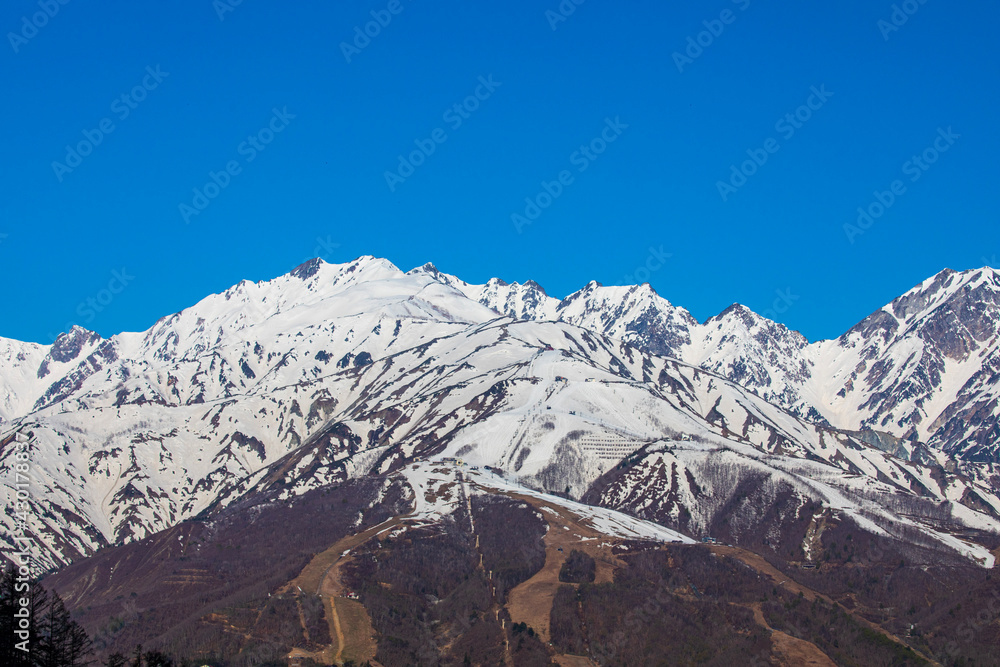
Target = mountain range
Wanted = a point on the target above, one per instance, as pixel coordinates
(736, 426)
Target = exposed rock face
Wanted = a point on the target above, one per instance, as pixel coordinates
(68, 347)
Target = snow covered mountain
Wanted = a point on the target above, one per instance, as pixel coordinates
(335, 371)
(923, 369)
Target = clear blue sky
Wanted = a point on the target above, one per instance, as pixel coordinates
(319, 188)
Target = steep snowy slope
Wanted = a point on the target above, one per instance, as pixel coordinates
(925, 367)
(28, 369)
(19, 362)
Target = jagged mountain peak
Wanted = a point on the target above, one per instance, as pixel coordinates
(69, 348)
(953, 311)
(429, 268)
(69, 345)
(634, 293)
(737, 310)
(646, 288)
(476, 292)
(531, 284)
(308, 269)
(739, 315)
